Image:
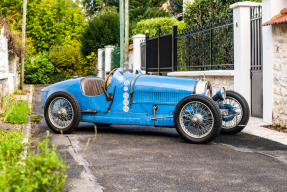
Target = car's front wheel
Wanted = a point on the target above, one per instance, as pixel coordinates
(237, 103)
(197, 119)
(62, 112)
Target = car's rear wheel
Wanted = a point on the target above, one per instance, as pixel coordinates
(197, 119)
(236, 102)
(62, 112)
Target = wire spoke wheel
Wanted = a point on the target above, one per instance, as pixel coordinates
(237, 108)
(61, 112)
(236, 102)
(196, 119)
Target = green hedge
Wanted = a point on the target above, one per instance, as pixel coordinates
(39, 70)
(151, 25)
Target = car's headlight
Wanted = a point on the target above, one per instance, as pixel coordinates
(207, 93)
(202, 86)
(221, 93)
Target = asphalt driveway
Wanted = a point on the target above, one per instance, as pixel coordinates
(140, 158)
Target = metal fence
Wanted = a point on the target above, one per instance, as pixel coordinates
(192, 49)
(115, 58)
(206, 48)
(256, 69)
(143, 67)
(158, 52)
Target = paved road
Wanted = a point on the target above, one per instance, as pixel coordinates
(139, 158)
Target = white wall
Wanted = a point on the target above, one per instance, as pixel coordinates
(137, 51)
(4, 63)
(108, 58)
(8, 73)
(100, 62)
(270, 8)
(242, 46)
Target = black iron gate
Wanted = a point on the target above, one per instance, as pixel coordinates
(196, 48)
(256, 69)
(159, 52)
(143, 67)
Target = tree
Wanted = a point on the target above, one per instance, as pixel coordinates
(201, 12)
(57, 22)
(93, 6)
(49, 22)
(138, 9)
(101, 30)
(175, 6)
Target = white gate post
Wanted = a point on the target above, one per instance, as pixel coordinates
(137, 51)
(100, 62)
(270, 8)
(108, 58)
(242, 50)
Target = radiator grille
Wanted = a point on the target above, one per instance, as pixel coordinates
(158, 98)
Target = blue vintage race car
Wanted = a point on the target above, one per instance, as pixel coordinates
(137, 99)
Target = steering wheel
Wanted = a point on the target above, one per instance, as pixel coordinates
(106, 83)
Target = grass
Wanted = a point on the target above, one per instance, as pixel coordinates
(13, 111)
(44, 169)
(36, 118)
(19, 92)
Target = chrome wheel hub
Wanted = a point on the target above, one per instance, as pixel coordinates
(62, 113)
(197, 119)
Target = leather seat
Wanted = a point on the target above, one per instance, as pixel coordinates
(92, 86)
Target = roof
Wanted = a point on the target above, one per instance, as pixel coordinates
(280, 18)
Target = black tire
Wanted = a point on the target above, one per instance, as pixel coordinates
(245, 113)
(76, 112)
(215, 116)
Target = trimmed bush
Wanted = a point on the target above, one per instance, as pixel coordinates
(152, 25)
(69, 61)
(39, 70)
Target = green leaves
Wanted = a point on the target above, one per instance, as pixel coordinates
(49, 22)
(17, 113)
(39, 70)
(152, 25)
(104, 29)
(202, 12)
(44, 170)
(175, 6)
(69, 60)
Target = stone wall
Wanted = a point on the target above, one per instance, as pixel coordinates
(218, 81)
(4, 87)
(279, 112)
(220, 78)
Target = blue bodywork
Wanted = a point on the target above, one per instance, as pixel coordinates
(149, 90)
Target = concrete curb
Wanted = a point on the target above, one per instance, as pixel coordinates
(254, 128)
(26, 130)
